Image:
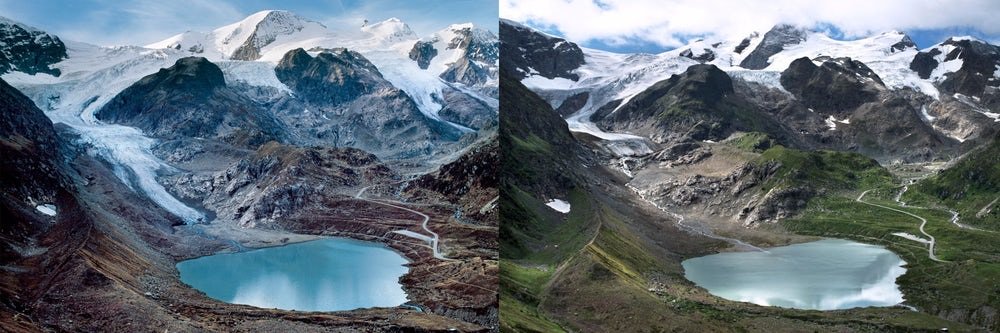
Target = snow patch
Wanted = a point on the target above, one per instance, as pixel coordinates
(831, 122)
(927, 116)
(558, 205)
(47, 209)
(911, 237)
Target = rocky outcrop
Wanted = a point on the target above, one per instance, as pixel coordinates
(703, 56)
(341, 99)
(470, 182)
(278, 180)
(834, 86)
(745, 43)
(191, 100)
(527, 51)
(979, 63)
(29, 50)
(480, 56)
(573, 103)
(332, 77)
(923, 63)
(274, 23)
(699, 104)
(422, 52)
(903, 44)
(467, 72)
(775, 40)
(468, 111)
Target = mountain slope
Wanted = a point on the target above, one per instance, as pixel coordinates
(528, 52)
(243, 40)
(29, 50)
(191, 99)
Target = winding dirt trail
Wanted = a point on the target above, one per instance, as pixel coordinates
(433, 239)
(930, 247)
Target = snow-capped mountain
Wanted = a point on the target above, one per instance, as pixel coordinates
(268, 35)
(410, 114)
(588, 84)
(244, 40)
(461, 53)
(27, 49)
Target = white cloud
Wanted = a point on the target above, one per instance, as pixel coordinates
(662, 21)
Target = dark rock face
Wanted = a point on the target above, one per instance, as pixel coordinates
(28, 50)
(330, 78)
(744, 44)
(924, 63)
(774, 41)
(699, 104)
(31, 173)
(903, 44)
(706, 55)
(979, 62)
(422, 52)
(836, 85)
(190, 99)
(467, 72)
(341, 99)
(573, 104)
(465, 110)
(525, 49)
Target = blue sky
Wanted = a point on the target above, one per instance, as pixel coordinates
(140, 22)
(653, 26)
(922, 37)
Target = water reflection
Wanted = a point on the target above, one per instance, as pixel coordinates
(323, 275)
(824, 275)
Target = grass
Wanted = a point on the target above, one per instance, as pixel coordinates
(521, 288)
(830, 170)
(967, 186)
(756, 142)
(971, 278)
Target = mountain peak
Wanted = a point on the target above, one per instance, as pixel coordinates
(392, 29)
(27, 49)
(243, 40)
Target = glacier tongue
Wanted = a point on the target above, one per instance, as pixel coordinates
(130, 154)
(92, 76)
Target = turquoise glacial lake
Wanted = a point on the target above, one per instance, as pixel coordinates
(330, 274)
(822, 275)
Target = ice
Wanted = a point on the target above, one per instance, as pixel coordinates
(558, 205)
(254, 73)
(47, 209)
(541, 82)
(91, 77)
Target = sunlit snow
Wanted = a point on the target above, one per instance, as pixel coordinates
(558, 205)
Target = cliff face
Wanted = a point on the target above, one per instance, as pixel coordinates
(190, 99)
(28, 50)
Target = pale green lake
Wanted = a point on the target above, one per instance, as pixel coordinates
(323, 275)
(823, 275)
